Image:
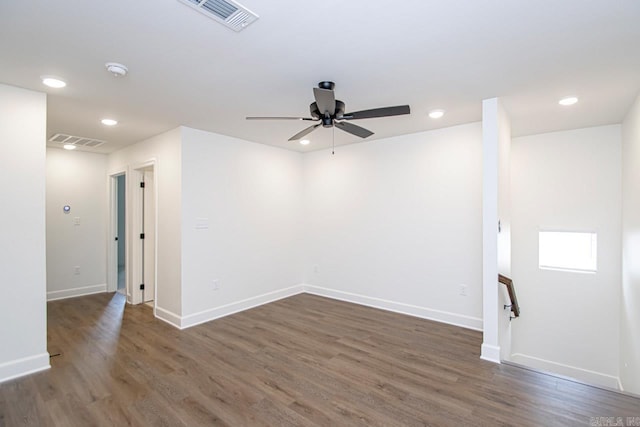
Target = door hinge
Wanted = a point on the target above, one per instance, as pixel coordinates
(142, 185)
(142, 286)
(142, 235)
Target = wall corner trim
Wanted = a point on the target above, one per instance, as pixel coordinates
(168, 317)
(24, 366)
(490, 353)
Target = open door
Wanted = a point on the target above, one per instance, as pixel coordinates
(142, 234)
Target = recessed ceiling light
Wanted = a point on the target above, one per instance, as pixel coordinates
(69, 147)
(305, 142)
(436, 114)
(109, 122)
(54, 82)
(569, 100)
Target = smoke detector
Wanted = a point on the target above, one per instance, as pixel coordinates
(118, 70)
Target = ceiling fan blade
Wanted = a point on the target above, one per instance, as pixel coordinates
(304, 132)
(378, 112)
(326, 100)
(280, 118)
(353, 129)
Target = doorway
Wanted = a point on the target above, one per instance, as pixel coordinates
(121, 236)
(118, 262)
(132, 254)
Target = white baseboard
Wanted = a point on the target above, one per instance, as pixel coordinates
(580, 374)
(169, 317)
(76, 292)
(490, 353)
(455, 319)
(235, 307)
(25, 366)
(183, 322)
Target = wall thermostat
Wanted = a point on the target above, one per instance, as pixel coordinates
(66, 209)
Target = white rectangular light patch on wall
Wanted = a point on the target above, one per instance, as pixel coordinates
(568, 250)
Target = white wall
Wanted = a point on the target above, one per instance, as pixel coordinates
(396, 223)
(241, 224)
(630, 312)
(77, 179)
(165, 150)
(23, 322)
(568, 181)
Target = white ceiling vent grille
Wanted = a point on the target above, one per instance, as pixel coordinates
(61, 138)
(227, 12)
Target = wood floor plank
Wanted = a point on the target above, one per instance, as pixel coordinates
(303, 361)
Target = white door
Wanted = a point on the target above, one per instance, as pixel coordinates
(149, 243)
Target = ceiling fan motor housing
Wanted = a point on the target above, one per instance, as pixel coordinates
(327, 120)
(327, 85)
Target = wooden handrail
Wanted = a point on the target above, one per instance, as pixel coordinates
(515, 308)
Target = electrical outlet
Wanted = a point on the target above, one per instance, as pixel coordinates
(76, 270)
(215, 284)
(76, 220)
(463, 290)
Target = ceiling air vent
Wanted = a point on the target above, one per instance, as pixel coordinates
(229, 13)
(61, 138)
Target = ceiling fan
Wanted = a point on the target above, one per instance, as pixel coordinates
(329, 112)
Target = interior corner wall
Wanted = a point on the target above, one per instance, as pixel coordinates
(241, 224)
(630, 298)
(568, 181)
(396, 224)
(165, 150)
(76, 241)
(23, 322)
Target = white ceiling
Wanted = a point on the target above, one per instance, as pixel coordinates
(186, 69)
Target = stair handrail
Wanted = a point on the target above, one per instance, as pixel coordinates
(515, 308)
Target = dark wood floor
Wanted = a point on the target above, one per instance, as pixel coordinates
(301, 361)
